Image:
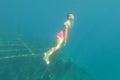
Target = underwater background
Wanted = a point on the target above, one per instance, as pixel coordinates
(28, 29)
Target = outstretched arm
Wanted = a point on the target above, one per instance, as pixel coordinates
(65, 33)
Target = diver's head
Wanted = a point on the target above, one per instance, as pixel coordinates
(70, 16)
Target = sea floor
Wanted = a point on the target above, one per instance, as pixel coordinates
(22, 59)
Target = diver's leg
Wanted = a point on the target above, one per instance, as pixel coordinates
(51, 51)
(47, 54)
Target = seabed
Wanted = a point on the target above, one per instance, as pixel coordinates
(22, 59)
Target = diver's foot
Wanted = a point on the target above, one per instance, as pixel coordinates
(45, 54)
(45, 58)
(47, 62)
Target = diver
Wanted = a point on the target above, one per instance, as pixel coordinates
(61, 37)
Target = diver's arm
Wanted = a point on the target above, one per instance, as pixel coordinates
(65, 33)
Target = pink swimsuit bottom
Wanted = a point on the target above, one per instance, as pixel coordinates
(60, 35)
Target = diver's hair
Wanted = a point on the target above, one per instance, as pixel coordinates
(68, 14)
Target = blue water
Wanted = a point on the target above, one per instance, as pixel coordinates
(93, 42)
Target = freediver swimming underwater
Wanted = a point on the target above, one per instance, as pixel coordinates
(61, 37)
